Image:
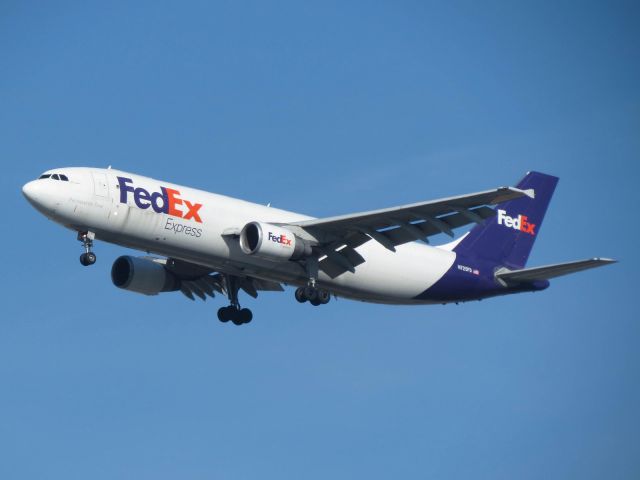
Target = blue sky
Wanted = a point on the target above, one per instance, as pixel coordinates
(322, 108)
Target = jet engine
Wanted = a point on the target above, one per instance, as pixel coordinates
(272, 242)
(142, 275)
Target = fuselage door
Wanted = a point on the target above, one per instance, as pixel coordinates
(100, 186)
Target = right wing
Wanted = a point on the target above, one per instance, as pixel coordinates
(527, 275)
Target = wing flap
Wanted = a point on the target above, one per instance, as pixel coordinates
(337, 262)
(399, 236)
(526, 275)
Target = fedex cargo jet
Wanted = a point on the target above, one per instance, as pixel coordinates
(200, 243)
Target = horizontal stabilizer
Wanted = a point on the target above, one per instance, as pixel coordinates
(527, 275)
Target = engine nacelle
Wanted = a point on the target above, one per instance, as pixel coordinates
(142, 275)
(272, 242)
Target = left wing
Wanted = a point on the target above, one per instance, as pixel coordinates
(339, 236)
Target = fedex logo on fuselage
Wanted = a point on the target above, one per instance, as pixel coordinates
(167, 200)
(282, 239)
(521, 222)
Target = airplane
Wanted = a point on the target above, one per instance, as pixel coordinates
(202, 243)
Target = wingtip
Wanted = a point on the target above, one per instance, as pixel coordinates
(605, 260)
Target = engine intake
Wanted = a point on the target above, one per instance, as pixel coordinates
(272, 242)
(142, 275)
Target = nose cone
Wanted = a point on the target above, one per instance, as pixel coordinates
(30, 191)
(36, 193)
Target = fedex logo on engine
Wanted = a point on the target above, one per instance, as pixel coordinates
(282, 239)
(521, 222)
(167, 200)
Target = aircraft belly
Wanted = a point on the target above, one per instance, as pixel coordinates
(391, 277)
(385, 276)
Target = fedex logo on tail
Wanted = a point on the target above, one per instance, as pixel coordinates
(167, 200)
(282, 239)
(521, 222)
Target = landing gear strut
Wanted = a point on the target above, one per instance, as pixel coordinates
(233, 312)
(88, 257)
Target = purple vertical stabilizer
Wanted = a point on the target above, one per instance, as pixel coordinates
(507, 238)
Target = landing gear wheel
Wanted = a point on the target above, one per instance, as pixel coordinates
(245, 315)
(311, 293)
(323, 297)
(223, 314)
(300, 296)
(88, 258)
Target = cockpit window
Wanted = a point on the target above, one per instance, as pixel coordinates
(54, 176)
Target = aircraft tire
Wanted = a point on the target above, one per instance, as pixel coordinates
(300, 297)
(311, 293)
(323, 297)
(223, 314)
(87, 259)
(245, 315)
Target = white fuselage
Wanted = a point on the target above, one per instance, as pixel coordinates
(92, 200)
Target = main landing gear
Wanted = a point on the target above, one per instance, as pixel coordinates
(88, 257)
(315, 296)
(312, 294)
(237, 315)
(233, 312)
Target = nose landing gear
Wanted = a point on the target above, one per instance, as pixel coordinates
(88, 257)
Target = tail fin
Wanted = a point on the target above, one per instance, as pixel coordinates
(508, 237)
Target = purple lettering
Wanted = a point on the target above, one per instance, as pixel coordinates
(141, 195)
(124, 188)
(164, 208)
